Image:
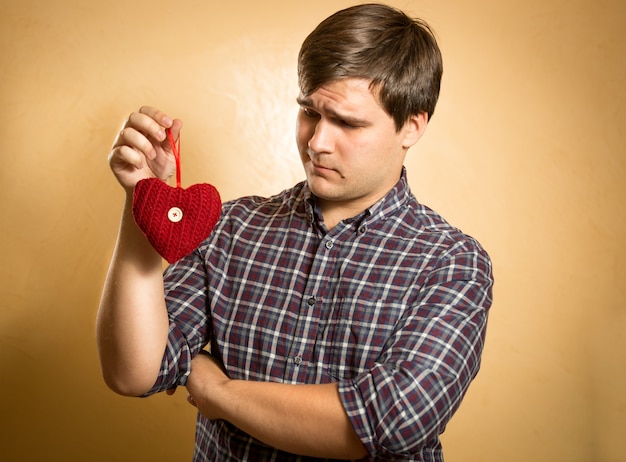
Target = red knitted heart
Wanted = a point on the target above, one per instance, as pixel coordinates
(175, 220)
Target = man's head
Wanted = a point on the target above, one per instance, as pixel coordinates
(397, 54)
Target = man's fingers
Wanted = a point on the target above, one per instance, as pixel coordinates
(141, 149)
(146, 125)
(157, 115)
(133, 138)
(123, 156)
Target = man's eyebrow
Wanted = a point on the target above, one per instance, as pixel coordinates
(303, 101)
(352, 119)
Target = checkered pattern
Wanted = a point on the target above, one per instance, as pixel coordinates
(392, 305)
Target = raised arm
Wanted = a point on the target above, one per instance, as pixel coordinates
(132, 322)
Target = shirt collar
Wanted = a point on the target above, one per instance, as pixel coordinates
(395, 199)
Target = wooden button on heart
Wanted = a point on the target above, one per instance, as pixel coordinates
(175, 214)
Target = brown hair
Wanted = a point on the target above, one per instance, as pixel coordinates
(398, 54)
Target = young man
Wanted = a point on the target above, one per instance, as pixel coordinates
(344, 319)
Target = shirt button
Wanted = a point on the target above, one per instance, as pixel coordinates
(311, 301)
(297, 360)
(329, 244)
(362, 229)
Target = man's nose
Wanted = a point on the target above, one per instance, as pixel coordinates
(322, 140)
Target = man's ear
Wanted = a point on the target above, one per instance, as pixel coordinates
(414, 128)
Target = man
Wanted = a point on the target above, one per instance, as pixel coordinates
(344, 319)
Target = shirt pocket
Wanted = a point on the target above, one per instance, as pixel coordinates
(356, 334)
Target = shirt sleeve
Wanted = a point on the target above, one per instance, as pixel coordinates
(185, 297)
(417, 384)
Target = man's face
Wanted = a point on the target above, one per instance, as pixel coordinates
(349, 146)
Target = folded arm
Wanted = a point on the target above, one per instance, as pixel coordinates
(396, 408)
(301, 419)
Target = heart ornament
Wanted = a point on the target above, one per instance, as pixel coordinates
(175, 220)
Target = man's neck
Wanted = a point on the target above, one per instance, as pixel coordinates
(333, 213)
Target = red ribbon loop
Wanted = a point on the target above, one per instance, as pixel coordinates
(176, 150)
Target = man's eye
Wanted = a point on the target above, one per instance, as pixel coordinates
(309, 113)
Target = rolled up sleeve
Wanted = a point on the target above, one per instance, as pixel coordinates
(404, 402)
(185, 295)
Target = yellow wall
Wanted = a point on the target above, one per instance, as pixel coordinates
(526, 152)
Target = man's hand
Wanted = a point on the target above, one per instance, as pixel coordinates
(204, 385)
(141, 149)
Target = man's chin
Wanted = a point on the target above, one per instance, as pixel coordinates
(321, 187)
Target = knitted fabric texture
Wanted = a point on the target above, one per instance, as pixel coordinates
(175, 220)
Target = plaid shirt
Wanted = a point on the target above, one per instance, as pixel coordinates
(391, 304)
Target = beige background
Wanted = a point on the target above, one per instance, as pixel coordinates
(526, 152)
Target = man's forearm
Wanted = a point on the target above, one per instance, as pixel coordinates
(302, 419)
(132, 321)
